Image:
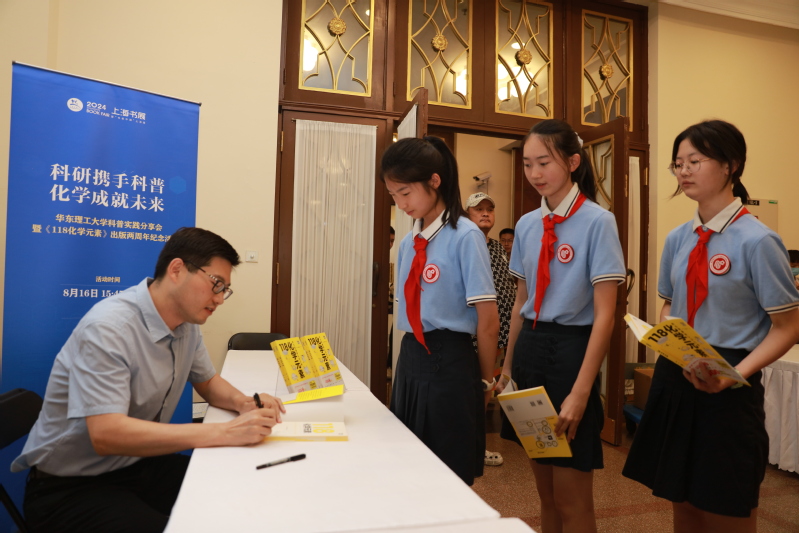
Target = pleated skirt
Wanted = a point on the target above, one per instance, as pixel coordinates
(710, 450)
(551, 356)
(439, 397)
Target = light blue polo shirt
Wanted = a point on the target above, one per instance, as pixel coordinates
(591, 253)
(457, 275)
(117, 360)
(752, 278)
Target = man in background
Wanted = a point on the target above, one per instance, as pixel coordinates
(506, 240)
(793, 257)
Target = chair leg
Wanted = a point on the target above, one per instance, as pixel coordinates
(12, 510)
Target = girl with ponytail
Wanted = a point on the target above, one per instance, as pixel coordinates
(569, 262)
(442, 385)
(701, 443)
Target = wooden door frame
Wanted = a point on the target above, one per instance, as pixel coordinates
(614, 381)
(641, 150)
(282, 247)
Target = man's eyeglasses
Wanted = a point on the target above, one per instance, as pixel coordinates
(219, 285)
(691, 166)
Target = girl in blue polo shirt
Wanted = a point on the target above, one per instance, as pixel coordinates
(701, 443)
(569, 262)
(445, 294)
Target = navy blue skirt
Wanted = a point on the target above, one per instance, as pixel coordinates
(439, 396)
(551, 356)
(710, 450)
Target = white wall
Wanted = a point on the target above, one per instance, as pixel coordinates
(711, 66)
(223, 54)
(477, 154)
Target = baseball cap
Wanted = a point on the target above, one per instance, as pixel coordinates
(478, 197)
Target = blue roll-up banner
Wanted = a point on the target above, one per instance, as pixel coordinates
(99, 177)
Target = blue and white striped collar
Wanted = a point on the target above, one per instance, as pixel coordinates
(432, 230)
(565, 206)
(723, 219)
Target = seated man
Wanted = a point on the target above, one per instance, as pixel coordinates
(102, 453)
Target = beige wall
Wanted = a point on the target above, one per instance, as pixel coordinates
(477, 154)
(223, 54)
(711, 66)
(226, 55)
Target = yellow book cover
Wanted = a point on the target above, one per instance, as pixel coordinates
(294, 366)
(280, 364)
(313, 431)
(678, 342)
(533, 416)
(324, 362)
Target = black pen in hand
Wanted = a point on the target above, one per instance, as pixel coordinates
(257, 399)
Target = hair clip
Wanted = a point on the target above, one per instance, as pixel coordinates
(579, 140)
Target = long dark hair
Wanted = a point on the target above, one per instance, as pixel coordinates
(414, 160)
(721, 141)
(560, 137)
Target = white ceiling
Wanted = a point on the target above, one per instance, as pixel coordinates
(778, 12)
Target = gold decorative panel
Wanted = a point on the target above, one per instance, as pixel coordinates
(336, 47)
(607, 91)
(524, 58)
(440, 51)
(600, 153)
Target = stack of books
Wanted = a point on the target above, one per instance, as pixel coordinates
(307, 363)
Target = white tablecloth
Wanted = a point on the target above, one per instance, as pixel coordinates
(383, 477)
(781, 382)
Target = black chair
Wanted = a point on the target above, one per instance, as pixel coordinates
(19, 409)
(253, 341)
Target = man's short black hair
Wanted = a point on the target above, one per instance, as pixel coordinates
(508, 231)
(793, 256)
(391, 230)
(194, 245)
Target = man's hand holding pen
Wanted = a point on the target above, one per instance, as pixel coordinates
(261, 401)
(258, 415)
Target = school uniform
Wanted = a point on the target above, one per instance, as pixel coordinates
(711, 450)
(587, 252)
(438, 394)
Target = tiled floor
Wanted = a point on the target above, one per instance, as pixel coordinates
(622, 505)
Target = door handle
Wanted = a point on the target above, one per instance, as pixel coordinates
(631, 280)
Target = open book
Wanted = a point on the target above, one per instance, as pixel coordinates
(313, 431)
(534, 417)
(678, 342)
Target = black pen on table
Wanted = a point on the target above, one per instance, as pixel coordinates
(257, 399)
(281, 461)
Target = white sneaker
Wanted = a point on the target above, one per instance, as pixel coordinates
(493, 458)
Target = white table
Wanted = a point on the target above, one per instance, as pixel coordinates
(781, 383)
(382, 477)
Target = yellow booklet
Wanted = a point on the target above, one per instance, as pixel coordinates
(320, 356)
(678, 342)
(533, 416)
(313, 431)
(309, 396)
(294, 365)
